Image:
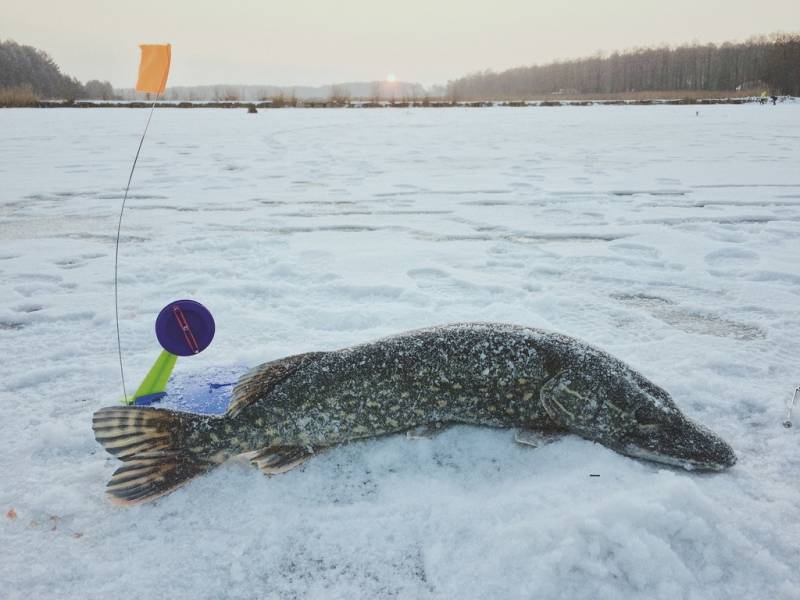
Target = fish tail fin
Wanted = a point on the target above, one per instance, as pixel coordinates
(161, 450)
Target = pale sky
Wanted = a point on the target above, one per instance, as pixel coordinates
(304, 42)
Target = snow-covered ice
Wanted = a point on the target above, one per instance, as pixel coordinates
(667, 238)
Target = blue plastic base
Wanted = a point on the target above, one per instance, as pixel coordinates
(148, 399)
(206, 392)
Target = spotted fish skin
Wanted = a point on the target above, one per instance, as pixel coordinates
(477, 374)
(486, 374)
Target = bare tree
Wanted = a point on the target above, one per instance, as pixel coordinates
(375, 92)
(339, 95)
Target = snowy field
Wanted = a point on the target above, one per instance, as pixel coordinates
(670, 239)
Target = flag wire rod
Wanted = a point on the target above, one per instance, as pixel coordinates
(116, 248)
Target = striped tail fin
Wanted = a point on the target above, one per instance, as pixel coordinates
(161, 450)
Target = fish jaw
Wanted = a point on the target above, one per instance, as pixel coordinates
(690, 446)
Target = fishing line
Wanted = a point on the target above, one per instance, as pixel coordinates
(789, 406)
(116, 248)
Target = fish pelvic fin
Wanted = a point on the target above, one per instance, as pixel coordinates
(161, 450)
(426, 432)
(274, 461)
(536, 439)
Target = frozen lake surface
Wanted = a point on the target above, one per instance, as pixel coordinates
(668, 238)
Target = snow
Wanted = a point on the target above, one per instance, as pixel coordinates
(667, 238)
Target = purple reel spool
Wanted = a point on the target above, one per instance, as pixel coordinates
(185, 327)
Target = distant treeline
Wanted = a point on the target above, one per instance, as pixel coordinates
(763, 63)
(26, 72)
(766, 63)
(290, 96)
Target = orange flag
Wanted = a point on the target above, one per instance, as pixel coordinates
(154, 68)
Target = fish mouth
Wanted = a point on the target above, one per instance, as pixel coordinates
(720, 463)
(683, 444)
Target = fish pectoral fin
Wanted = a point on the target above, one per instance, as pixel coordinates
(274, 461)
(535, 439)
(426, 432)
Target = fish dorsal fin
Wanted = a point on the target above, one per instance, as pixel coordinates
(258, 382)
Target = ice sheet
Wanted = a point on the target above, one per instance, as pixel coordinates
(667, 238)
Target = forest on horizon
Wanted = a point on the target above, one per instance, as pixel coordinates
(27, 72)
(763, 63)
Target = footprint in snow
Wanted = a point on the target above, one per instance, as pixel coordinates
(691, 321)
(633, 250)
(732, 257)
(28, 308)
(69, 263)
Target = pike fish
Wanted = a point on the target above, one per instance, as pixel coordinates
(488, 374)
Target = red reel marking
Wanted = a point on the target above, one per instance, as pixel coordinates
(187, 331)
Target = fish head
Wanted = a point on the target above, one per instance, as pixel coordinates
(616, 406)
